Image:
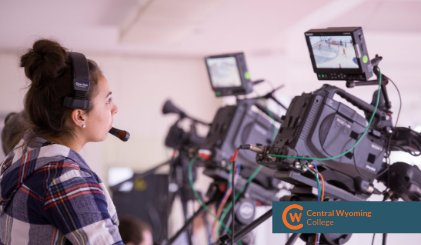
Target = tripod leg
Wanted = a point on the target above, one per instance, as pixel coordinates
(238, 235)
(293, 239)
(384, 238)
(189, 230)
(188, 222)
(170, 199)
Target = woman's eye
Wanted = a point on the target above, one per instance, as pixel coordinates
(109, 100)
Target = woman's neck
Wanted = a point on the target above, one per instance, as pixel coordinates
(72, 142)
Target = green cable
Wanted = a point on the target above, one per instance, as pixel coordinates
(198, 196)
(201, 201)
(356, 143)
(319, 191)
(221, 219)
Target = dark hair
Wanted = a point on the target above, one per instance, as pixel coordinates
(131, 230)
(49, 68)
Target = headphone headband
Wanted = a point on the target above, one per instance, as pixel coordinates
(80, 83)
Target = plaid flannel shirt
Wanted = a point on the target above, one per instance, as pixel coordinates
(49, 195)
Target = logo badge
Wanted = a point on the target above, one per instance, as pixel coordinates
(294, 217)
(81, 84)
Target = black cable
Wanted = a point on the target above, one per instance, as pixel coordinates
(388, 147)
(372, 241)
(400, 102)
(388, 175)
(410, 152)
(384, 238)
(356, 167)
(270, 83)
(233, 201)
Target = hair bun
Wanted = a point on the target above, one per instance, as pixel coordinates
(44, 62)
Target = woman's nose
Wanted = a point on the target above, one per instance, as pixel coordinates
(115, 109)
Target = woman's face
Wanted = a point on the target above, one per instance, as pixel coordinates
(100, 119)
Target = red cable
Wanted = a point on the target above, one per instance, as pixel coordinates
(233, 158)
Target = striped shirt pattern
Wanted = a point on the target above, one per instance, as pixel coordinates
(49, 195)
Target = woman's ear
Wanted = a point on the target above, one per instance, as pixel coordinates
(79, 118)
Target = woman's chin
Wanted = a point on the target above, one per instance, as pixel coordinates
(100, 138)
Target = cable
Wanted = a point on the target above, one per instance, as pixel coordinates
(356, 143)
(414, 154)
(197, 194)
(233, 204)
(372, 241)
(318, 185)
(400, 102)
(316, 173)
(236, 197)
(318, 199)
(224, 200)
(201, 201)
(221, 205)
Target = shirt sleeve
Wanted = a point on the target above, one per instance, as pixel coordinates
(77, 205)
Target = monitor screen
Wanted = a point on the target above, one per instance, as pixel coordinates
(334, 52)
(224, 72)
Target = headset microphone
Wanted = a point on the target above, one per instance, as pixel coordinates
(121, 134)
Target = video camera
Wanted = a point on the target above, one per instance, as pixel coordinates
(238, 124)
(232, 126)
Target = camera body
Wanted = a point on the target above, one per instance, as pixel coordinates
(318, 126)
(233, 126)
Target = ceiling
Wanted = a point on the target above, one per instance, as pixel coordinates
(192, 28)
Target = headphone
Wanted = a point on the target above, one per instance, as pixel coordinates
(80, 83)
(81, 86)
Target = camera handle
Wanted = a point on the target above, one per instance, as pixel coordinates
(270, 96)
(360, 104)
(384, 82)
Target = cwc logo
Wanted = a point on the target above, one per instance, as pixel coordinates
(293, 217)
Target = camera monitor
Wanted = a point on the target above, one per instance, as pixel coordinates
(339, 53)
(228, 74)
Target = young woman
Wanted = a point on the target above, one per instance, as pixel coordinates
(48, 193)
